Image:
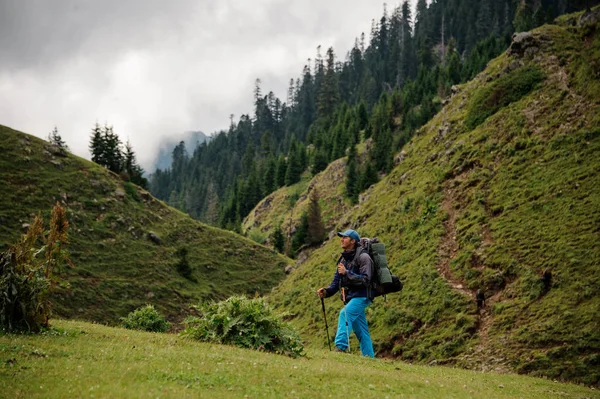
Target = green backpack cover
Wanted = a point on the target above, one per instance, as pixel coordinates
(383, 281)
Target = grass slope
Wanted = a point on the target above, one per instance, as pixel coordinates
(488, 202)
(285, 206)
(117, 267)
(78, 359)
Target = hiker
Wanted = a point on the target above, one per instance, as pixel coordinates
(352, 277)
(480, 297)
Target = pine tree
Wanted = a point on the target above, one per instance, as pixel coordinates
(113, 154)
(453, 65)
(55, 139)
(421, 27)
(294, 165)
(368, 177)
(329, 92)
(316, 229)
(407, 58)
(134, 171)
(277, 239)
(352, 176)
(269, 183)
(382, 150)
(96, 145)
(258, 101)
(319, 161)
(302, 156)
(281, 171)
(363, 117)
(300, 237)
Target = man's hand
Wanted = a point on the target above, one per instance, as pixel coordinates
(341, 269)
(321, 292)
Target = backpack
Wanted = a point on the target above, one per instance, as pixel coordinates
(383, 281)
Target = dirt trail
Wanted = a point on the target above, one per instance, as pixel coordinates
(482, 356)
(449, 246)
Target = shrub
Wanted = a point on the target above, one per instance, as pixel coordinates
(146, 318)
(532, 285)
(27, 274)
(183, 266)
(247, 323)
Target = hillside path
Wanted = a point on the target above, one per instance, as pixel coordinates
(481, 356)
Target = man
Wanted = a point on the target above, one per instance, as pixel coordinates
(352, 276)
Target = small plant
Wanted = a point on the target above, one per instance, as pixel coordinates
(27, 274)
(146, 318)
(183, 266)
(247, 323)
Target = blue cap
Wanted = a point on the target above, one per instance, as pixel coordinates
(350, 233)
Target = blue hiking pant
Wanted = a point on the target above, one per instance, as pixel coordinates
(357, 322)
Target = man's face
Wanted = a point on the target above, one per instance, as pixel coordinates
(347, 243)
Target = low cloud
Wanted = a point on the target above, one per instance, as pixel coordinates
(154, 69)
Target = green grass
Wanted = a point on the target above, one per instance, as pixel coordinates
(116, 267)
(505, 90)
(78, 359)
(524, 187)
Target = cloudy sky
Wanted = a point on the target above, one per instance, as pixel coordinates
(155, 68)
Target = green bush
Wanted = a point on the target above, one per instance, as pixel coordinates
(146, 318)
(28, 274)
(247, 323)
(183, 266)
(505, 90)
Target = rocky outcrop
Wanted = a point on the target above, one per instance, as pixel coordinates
(525, 44)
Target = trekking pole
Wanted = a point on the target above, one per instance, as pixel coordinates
(346, 317)
(326, 326)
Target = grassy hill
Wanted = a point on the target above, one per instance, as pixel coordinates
(285, 206)
(501, 185)
(117, 267)
(78, 359)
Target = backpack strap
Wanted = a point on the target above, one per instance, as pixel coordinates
(364, 249)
